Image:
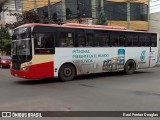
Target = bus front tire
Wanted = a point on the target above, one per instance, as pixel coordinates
(67, 72)
(130, 67)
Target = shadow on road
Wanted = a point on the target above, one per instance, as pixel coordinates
(81, 77)
(108, 74)
(37, 82)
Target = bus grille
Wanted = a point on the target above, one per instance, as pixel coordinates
(16, 65)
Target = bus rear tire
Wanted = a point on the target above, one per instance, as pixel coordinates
(130, 67)
(67, 72)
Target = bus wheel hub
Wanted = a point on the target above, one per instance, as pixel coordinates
(67, 72)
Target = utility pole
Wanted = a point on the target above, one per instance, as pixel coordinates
(148, 14)
(78, 12)
(35, 6)
(49, 11)
(129, 14)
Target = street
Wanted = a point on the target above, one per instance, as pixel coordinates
(100, 92)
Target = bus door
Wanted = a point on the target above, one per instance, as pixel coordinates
(44, 50)
(65, 43)
(153, 50)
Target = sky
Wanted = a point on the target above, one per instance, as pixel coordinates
(154, 6)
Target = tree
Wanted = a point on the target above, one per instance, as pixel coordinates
(7, 46)
(5, 41)
(102, 20)
(26, 17)
(68, 13)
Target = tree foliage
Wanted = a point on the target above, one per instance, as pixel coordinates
(32, 17)
(7, 46)
(102, 20)
(5, 41)
(26, 17)
(4, 34)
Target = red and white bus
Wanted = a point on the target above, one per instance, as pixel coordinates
(65, 51)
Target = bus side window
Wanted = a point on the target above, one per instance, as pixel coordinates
(132, 40)
(44, 43)
(135, 41)
(144, 41)
(66, 39)
(154, 40)
(118, 39)
(89, 40)
(81, 38)
(122, 40)
(101, 39)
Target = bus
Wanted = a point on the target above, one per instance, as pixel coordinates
(65, 51)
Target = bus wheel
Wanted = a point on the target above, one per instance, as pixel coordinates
(130, 67)
(67, 72)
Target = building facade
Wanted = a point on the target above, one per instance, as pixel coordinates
(9, 10)
(132, 14)
(155, 26)
(155, 22)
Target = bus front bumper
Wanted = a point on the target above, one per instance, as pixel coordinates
(39, 71)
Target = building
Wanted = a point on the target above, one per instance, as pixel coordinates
(9, 10)
(132, 14)
(155, 22)
(155, 26)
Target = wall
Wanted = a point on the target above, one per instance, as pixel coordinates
(31, 4)
(9, 8)
(155, 26)
(118, 17)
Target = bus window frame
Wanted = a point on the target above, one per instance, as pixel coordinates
(44, 29)
(107, 33)
(65, 30)
(115, 35)
(85, 33)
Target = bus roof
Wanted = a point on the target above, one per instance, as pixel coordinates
(85, 26)
(94, 26)
(74, 25)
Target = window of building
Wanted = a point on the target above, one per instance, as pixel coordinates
(18, 4)
(120, 13)
(139, 11)
(78, 9)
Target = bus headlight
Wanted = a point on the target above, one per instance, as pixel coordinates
(25, 68)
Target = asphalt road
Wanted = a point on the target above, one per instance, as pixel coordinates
(100, 92)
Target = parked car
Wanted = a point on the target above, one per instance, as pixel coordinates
(5, 61)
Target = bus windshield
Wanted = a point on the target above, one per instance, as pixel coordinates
(21, 44)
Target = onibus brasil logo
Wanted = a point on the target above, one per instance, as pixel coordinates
(142, 57)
